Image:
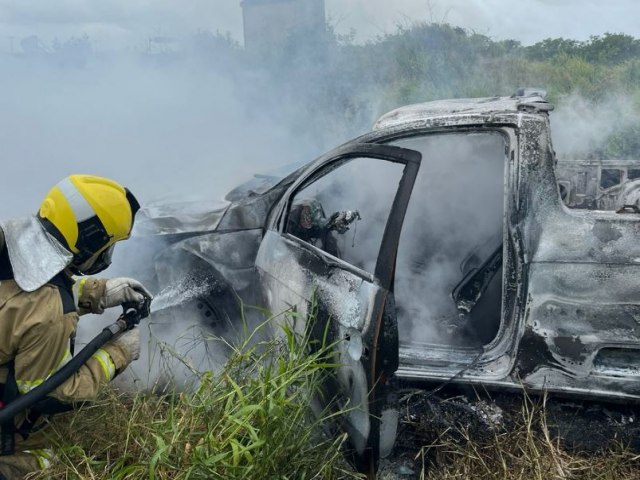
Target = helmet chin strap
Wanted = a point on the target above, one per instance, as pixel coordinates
(95, 264)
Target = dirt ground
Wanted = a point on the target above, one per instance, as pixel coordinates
(432, 421)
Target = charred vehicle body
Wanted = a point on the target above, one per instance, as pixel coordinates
(438, 247)
(599, 184)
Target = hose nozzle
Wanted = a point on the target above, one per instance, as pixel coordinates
(134, 312)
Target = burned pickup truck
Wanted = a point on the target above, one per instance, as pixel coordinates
(438, 248)
(599, 184)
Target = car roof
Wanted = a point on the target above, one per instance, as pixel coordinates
(525, 100)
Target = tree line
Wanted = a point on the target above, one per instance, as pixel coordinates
(329, 76)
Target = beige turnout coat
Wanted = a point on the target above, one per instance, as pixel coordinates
(36, 329)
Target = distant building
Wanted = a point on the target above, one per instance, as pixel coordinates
(269, 24)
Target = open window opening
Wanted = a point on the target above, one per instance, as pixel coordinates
(344, 209)
(607, 185)
(448, 282)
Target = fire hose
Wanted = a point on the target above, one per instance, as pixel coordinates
(131, 316)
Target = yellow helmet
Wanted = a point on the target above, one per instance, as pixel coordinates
(88, 215)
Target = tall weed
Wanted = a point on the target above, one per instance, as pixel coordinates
(251, 420)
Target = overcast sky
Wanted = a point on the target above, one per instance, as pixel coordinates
(123, 118)
(116, 23)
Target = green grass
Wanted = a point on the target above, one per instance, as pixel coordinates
(251, 420)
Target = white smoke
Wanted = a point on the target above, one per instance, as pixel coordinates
(580, 126)
(455, 212)
(182, 123)
(188, 124)
(168, 130)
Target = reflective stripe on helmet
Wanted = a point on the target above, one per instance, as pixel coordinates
(79, 205)
(88, 214)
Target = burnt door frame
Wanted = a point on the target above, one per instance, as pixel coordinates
(382, 345)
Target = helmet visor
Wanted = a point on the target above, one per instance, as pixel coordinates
(97, 263)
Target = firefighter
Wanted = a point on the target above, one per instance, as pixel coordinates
(73, 234)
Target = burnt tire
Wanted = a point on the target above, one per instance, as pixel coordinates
(217, 313)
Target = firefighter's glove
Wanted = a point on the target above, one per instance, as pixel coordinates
(129, 343)
(119, 291)
(340, 221)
